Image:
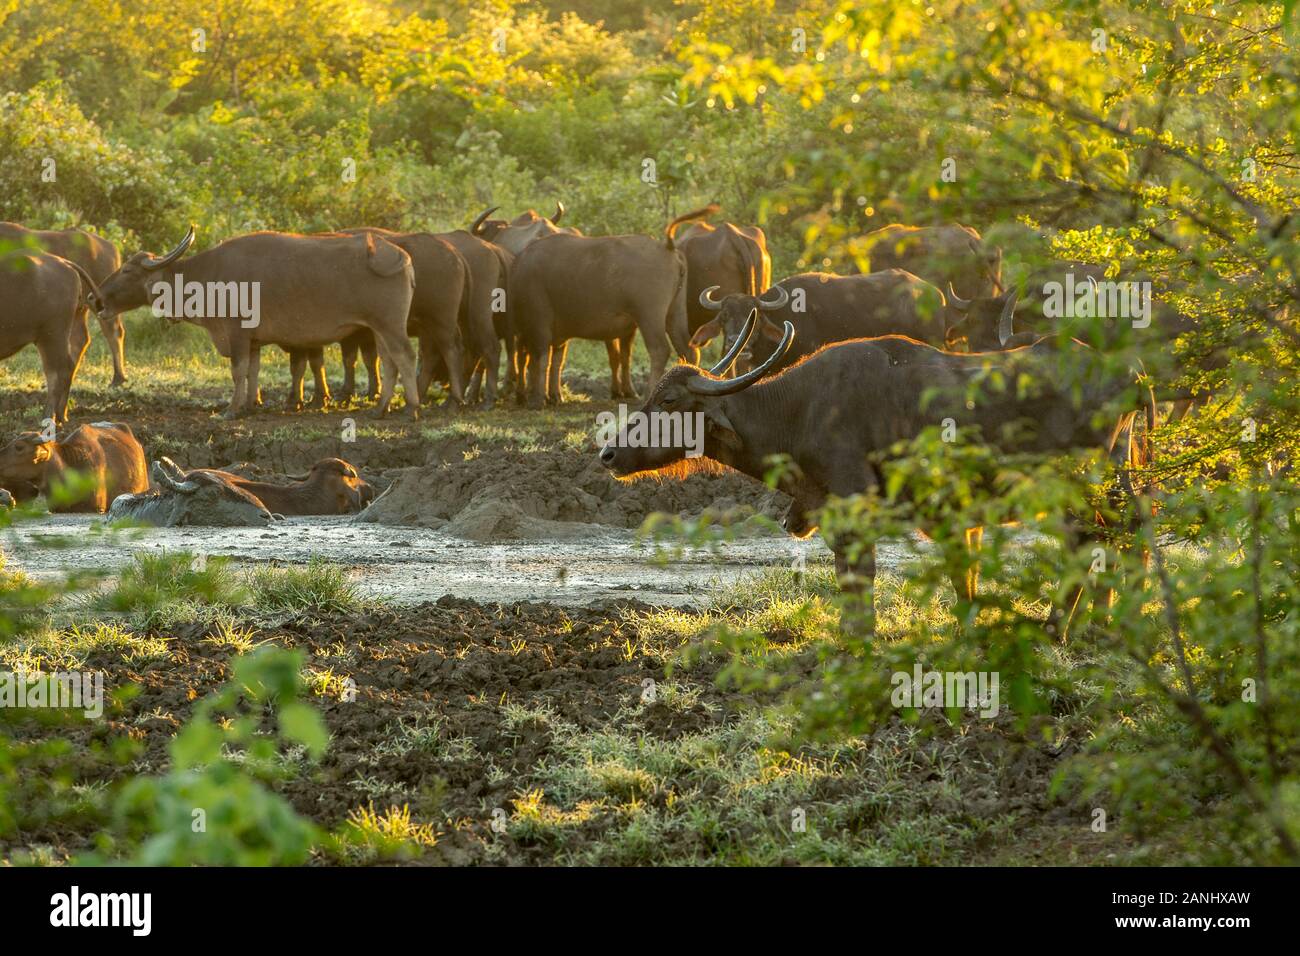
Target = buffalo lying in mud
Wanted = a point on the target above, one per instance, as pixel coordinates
(207, 496)
(106, 453)
(93, 253)
(838, 414)
(200, 499)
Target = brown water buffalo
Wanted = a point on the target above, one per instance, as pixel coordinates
(826, 308)
(331, 487)
(107, 453)
(606, 287)
(838, 415)
(440, 307)
(271, 288)
(514, 236)
(43, 302)
(941, 255)
(97, 256)
(726, 258)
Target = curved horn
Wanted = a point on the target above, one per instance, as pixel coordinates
(156, 263)
(741, 341)
(559, 211)
(164, 479)
(782, 299)
(1005, 325)
(956, 301)
(707, 300)
(477, 225)
(727, 386)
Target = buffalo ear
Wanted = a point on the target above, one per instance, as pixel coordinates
(44, 452)
(706, 332)
(770, 330)
(719, 429)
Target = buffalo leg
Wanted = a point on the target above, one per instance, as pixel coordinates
(320, 393)
(58, 380)
(615, 364)
(115, 337)
(297, 371)
(395, 350)
(656, 343)
(559, 352)
(349, 347)
(965, 576)
(370, 358)
(239, 378)
(448, 348)
(254, 387)
(625, 364)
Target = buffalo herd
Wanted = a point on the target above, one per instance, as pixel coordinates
(827, 371)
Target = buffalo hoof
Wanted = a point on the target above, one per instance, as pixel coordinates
(118, 381)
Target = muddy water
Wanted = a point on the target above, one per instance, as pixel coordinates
(409, 565)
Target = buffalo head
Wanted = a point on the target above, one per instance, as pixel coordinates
(339, 479)
(734, 312)
(697, 400)
(986, 323)
(23, 461)
(130, 286)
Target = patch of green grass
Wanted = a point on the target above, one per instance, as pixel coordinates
(318, 585)
(170, 587)
(69, 649)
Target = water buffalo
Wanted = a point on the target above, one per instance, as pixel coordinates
(514, 236)
(307, 291)
(726, 259)
(97, 256)
(938, 254)
(43, 302)
(331, 487)
(106, 453)
(440, 308)
(826, 308)
(838, 414)
(606, 287)
(201, 499)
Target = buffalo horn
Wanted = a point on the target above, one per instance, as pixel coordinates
(559, 211)
(707, 300)
(741, 341)
(782, 298)
(156, 263)
(477, 225)
(956, 301)
(727, 386)
(1005, 325)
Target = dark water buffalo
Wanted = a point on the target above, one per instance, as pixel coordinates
(489, 267)
(43, 302)
(727, 259)
(200, 499)
(106, 453)
(308, 291)
(603, 288)
(331, 487)
(826, 308)
(941, 255)
(97, 256)
(838, 414)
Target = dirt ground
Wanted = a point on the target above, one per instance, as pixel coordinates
(467, 712)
